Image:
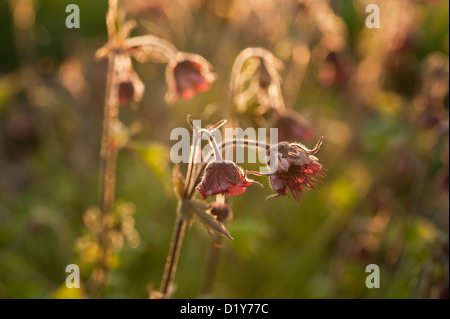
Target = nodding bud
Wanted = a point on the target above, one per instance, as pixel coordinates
(336, 69)
(264, 77)
(126, 92)
(223, 178)
(129, 86)
(221, 210)
(292, 127)
(189, 79)
(187, 76)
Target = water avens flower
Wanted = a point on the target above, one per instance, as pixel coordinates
(130, 87)
(295, 168)
(224, 177)
(292, 127)
(188, 75)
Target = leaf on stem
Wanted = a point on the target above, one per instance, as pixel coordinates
(185, 212)
(208, 220)
(178, 181)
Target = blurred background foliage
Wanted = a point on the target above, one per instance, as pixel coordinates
(378, 96)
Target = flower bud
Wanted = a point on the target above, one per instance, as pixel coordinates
(221, 210)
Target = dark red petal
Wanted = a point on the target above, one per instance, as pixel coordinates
(201, 87)
(198, 66)
(225, 177)
(187, 94)
(277, 185)
(126, 92)
(237, 190)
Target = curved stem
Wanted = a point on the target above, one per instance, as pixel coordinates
(237, 142)
(244, 143)
(267, 65)
(212, 141)
(151, 44)
(190, 170)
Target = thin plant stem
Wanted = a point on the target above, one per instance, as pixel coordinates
(212, 262)
(178, 233)
(192, 179)
(191, 168)
(189, 172)
(107, 183)
(236, 142)
(212, 141)
(172, 259)
(213, 255)
(108, 154)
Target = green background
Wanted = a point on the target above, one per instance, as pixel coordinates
(384, 199)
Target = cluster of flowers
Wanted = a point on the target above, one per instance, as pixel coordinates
(296, 168)
(292, 166)
(186, 73)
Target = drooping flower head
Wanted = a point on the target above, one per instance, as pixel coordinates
(188, 75)
(130, 87)
(294, 168)
(292, 127)
(220, 176)
(126, 84)
(263, 81)
(223, 177)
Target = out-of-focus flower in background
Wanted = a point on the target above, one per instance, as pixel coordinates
(187, 75)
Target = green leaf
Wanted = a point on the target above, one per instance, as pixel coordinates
(178, 181)
(208, 220)
(185, 211)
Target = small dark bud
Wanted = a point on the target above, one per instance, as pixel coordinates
(222, 211)
(126, 92)
(264, 76)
